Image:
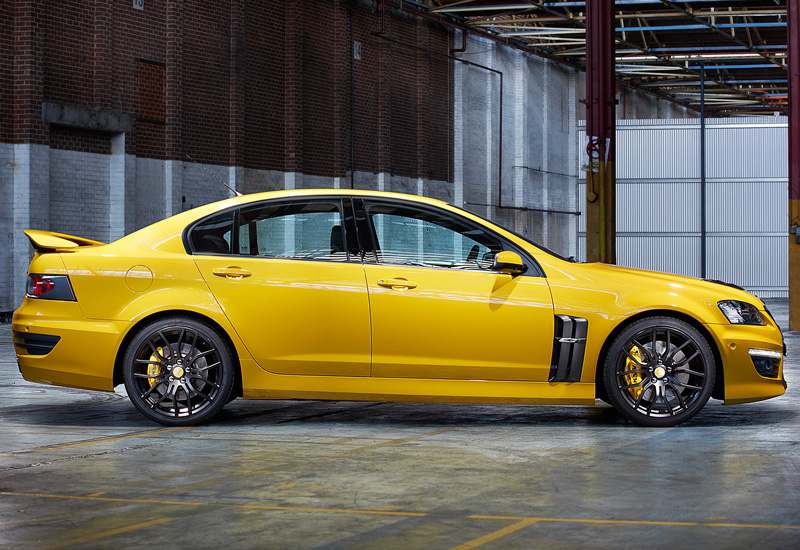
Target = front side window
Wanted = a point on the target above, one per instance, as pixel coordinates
(311, 230)
(415, 236)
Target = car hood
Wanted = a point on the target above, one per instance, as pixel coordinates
(650, 279)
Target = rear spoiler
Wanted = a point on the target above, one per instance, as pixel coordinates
(45, 241)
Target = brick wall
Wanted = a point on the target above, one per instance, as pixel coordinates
(261, 58)
(6, 70)
(68, 52)
(205, 85)
(76, 139)
(262, 85)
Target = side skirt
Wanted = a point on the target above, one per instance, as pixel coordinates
(260, 384)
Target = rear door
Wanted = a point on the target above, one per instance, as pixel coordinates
(290, 279)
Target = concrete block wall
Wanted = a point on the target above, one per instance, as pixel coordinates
(79, 199)
(6, 225)
(522, 172)
(29, 174)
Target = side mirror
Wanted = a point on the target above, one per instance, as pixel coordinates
(509, 262)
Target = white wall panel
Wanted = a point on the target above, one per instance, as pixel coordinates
(758, 263)
(671, 254)
(658, 207)
(658, 199)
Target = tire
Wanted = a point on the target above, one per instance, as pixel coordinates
(178, 371)
(659, 372)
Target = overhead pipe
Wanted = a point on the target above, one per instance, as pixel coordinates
(463, 47)
(420, 10)
(600, 133)
(793, 17)
(352, 105)
(702, 170)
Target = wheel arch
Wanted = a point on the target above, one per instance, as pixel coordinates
(719, 384)
(134, 330)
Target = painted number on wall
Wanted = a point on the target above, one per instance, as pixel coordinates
(138, 4)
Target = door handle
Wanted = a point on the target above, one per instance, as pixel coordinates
(231, 272)
(397, 284)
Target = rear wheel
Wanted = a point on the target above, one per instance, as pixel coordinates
(178, 371)
(659, 372)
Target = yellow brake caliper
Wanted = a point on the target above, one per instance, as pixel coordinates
(634, 377)
(154, 367)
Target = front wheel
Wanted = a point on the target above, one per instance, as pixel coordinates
(659, 372)
(178, 371)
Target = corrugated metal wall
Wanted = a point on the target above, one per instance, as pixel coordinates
(658, 199)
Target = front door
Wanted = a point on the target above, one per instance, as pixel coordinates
(439, 311)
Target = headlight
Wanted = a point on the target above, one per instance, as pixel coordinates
(741, 313)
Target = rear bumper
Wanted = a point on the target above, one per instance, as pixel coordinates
(56, 345)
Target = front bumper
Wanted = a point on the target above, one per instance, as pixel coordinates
(742, 382)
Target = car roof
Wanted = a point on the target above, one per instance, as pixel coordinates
(296, 193)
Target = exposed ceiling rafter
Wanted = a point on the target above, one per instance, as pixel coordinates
(660, 43)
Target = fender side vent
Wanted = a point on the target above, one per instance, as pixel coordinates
(568, 349)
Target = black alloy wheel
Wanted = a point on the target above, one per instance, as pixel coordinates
(178, 371)
(659, 372)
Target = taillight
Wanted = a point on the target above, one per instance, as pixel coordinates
(49, 287)
(39, 285)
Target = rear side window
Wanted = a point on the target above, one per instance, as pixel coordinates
(309, 230)
(213, 235)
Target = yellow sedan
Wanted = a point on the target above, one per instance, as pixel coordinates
(358, 295)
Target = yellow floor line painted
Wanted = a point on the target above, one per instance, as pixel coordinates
(78, 428)
(520, 519)
(283, 436)
(220, 505)
(496, 535)
(93, 442)
(635, 522)
(110, 499)
(104, 534)
(289, 441)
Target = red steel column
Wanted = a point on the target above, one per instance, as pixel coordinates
(600, 129)
(793, 18)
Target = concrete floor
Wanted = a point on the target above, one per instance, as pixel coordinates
(85, 470)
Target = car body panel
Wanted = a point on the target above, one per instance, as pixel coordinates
(85, 355)
(264, 385)
(319, 349)
(610, 295)
(48, 240)
(459, 322)
(322, 310)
